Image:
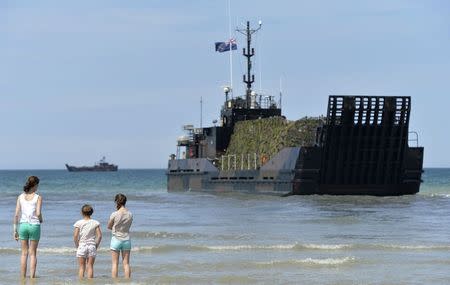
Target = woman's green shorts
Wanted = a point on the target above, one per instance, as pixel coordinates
(29, 231)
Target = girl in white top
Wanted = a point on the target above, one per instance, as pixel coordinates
(119, 223)
(87, 237)
(28, 206)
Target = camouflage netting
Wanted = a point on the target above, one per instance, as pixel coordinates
(266, 137)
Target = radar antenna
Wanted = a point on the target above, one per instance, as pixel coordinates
(248, 53)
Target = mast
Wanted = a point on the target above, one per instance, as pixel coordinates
(248, 53)
(231, 46)
(201, 112)
(281, 94)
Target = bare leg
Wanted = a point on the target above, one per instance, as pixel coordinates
(90, 266)
(24, 258)
(126, 263)
(33, 258)
(114, 263)
(81, 267)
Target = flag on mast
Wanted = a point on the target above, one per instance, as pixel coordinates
(225, 46)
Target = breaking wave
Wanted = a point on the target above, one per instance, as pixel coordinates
(164, 235)
(415, 247)
(167, 248)
(294, 246)
(439, 195)
(309, 261)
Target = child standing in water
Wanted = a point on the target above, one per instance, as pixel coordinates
(120, 223)
(29, 205)
(87, 236)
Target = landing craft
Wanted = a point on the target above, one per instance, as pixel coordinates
(361, 147)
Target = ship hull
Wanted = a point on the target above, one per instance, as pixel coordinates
(293, 171)
(91, 169)
(188, 182)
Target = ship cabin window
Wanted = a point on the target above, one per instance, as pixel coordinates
(268, 178)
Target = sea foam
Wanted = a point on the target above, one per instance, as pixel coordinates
(310, 261)
(168, 248)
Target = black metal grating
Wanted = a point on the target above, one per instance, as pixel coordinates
(364, 140)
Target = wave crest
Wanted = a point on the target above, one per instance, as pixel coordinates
(167, 248)
(415, 247)
(310, 261)
(164, 235)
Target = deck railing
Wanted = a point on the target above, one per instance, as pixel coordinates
(249, 161)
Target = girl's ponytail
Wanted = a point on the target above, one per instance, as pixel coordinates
(120, 200)
(31, 182)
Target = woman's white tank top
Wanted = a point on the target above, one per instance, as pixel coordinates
(28, 209)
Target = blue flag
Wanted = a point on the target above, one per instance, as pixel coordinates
(225, 46)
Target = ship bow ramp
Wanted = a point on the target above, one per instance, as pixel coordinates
(362, 149)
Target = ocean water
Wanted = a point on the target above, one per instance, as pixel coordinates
(200, 238)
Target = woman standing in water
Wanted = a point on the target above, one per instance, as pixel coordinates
(29, 205)
(120, 223)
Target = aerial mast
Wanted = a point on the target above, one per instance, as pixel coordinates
(201, 112)
(248, 53)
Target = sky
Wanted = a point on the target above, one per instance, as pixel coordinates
(84, 79)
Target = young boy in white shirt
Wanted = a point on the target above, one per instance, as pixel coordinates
(87, 236)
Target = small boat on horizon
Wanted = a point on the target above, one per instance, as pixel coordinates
(102, 165)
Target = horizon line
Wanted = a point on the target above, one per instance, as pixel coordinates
(151, 168)
(38, 169)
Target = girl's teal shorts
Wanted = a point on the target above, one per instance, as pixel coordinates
(119, 245)
(29, 231)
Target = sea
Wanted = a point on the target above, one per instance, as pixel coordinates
(232, 238)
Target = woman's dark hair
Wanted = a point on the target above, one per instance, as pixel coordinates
(87, 210)
(31, 182)
(120, 200)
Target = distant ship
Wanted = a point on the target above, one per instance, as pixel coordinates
(102, 165)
